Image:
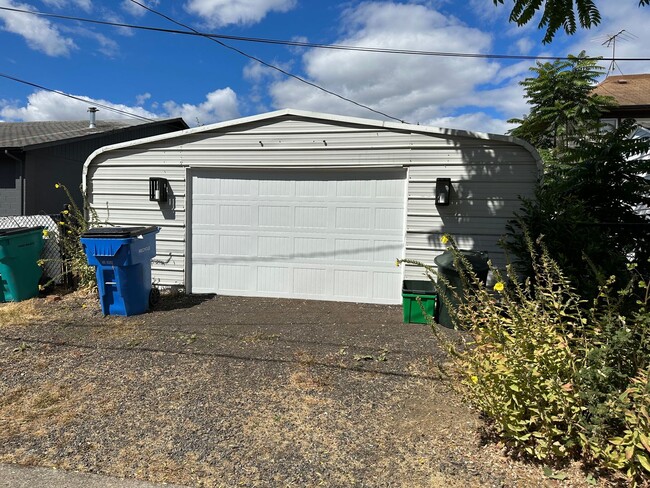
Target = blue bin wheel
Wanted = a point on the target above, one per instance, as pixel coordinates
(154, 296)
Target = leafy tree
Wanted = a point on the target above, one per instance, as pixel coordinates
(563, 107)
(585, 209)
(585, 204)
(557, 14)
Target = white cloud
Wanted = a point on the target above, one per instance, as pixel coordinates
(38, 32)
(85, 5)
(42, 105)
(412, 88)
(524, 45)
(135, 9)
(474, 122)
(141, 99)
(223, 12)
(219, 105)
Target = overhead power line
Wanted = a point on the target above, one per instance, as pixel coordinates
(338, 47)
(73, 97)
(269, 65)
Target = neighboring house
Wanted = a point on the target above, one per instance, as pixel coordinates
(642, 132)
(36, 155)
(305, 205)
(632, 95)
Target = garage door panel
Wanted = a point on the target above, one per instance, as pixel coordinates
(231, 187)
(236, 245)
(274, 246)
(311, 189)
(388, 251)
(275, 279)
(383, 283)
(276, 188)
(235, 215)
(352, 284)
(307, 217)
(310, 281)
(356, 189)
(307, 248)
(306, 234)
(275, 216)
(354, 250)
(353, 218)
(234, 278)
(388, 219)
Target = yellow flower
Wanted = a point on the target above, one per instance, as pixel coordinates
(66, 212)
(474, 379)
(444, 239)
(57, 186)
(69, 232)
(498, 286)
(46, 232)
(62, 223)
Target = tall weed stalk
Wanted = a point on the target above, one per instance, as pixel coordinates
(559, 376)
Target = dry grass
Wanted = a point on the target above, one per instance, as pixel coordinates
(20, 314)
(37, 410)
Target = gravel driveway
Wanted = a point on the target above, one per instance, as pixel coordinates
(223, 391)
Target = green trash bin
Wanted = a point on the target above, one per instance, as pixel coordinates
(445, 262)
(425, 291)
(20, 250)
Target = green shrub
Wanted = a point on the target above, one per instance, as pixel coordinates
(559, 376)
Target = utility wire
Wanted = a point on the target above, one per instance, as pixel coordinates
(85, 100)
(269, 65)
(339, 47)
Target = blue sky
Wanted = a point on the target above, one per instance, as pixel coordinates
(156, 74)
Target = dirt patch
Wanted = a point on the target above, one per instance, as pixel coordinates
(222, 391)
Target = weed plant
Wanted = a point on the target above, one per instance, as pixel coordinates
(72, 224)
(559, 376)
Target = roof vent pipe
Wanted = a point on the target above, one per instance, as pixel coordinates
(92, 111)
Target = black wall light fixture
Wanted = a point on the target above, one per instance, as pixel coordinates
(158, 189)
(443, 191)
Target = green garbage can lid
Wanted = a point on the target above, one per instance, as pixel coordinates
(118, 232)
(19, 230)
(478, 260)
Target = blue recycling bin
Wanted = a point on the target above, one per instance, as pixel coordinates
(122, 259)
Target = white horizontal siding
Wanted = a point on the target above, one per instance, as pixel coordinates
(472, 189)
(466, 207)
(488, 177)
(487, 183)
(118, 190)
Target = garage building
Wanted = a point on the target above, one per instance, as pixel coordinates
(305, 205)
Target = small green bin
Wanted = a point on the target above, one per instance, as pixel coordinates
(20, 250)
(411, 290)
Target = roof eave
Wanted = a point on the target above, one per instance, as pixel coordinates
(31, 147)
(316, 116)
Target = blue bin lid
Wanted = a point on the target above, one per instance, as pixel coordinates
(117, 232)
(19, 230)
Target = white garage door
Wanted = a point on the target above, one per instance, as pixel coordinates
(327, 235)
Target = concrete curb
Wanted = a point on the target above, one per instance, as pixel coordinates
(14, 476)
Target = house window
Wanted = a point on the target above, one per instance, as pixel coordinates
(608, 125)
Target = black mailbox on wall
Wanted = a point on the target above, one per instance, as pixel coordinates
(443, 191)
(158, 189)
